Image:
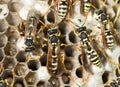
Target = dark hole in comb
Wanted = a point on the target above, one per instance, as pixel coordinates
(72, 37)
(105, 76)
(79, 72)
(33, 65)
(51, 17)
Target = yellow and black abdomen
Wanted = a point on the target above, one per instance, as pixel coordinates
(62, 9)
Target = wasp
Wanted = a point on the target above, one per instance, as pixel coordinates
(91, 52)
(62, 8)
(30, 31)
(3, 83)
(55, 64)
(109, 35)
(86, 6)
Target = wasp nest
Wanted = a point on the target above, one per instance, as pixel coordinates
(59, 43)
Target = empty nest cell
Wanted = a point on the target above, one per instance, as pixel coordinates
(21, 56)
(33, 65)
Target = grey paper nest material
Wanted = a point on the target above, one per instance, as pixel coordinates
(30, 69)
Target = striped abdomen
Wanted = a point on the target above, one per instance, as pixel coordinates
(109, 38)
(53, 60)
(87, 8)
(93, 56)
(62, 9)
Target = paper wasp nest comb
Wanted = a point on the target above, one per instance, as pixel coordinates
(59, 43)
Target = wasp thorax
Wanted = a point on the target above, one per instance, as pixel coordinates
(54, 39)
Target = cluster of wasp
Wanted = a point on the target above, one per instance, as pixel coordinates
(32, 31)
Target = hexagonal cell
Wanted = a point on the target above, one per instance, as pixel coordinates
(54, 81)
(8, 74)
(72, 37)
(15, 6)
(31, 78)
(9, 63)
(2, 54)
(40, 84)
(65, 78)
(13, 19)
(3, 26)
(33, 65)
(43, 59)
(12, 35)
(69, 51)
(11, 49)
(19, 82)
(68, 64)
(3, 41)
(105, 77)
(79, 72)
(51, 16)
(21, 56)
(62, 28)
(21, 69)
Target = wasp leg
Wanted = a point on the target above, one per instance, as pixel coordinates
(117, 15)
